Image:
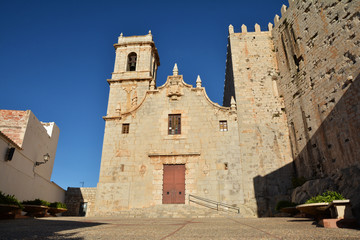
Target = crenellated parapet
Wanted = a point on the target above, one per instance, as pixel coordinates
(244, 30)
(284, 9)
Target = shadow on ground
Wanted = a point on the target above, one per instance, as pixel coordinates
(301, 220)
(33, 228)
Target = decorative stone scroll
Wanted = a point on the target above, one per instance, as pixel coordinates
(174, 90)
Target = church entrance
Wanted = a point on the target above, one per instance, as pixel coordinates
(174, 184)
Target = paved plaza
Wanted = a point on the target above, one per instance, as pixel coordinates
(169, 228)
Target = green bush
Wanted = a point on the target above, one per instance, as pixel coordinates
(327, 196)
(36, 202)
(9, 200)
(58, 205)
(284, 204)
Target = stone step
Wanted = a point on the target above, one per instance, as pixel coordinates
(175, 211)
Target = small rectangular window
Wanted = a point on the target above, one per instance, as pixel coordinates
(125, 128)
(174, 124)
(223, 126)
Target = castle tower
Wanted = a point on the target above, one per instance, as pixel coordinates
(251, 75)
(135, 69)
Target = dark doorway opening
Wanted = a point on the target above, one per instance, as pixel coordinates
(82, 209)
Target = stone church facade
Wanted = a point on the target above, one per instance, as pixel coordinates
(282, 86)
(163, 143)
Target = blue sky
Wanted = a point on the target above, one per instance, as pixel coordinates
(55, 57)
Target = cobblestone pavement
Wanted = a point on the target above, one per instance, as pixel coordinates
(169, 228)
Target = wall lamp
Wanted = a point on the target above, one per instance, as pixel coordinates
(46, 158)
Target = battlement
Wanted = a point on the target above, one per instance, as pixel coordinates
(244, 29)
(284, 11)
(277, 21)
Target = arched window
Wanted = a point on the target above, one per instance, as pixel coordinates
(131, 66)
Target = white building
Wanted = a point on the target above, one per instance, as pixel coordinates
(27, 153)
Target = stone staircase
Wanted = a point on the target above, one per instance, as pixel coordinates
(175, 211)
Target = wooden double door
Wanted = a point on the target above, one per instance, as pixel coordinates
(174, 184)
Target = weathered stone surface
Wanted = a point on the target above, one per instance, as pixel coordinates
(345, 181)
(251, 73)
(131, 174)
(295, 112)
(318, 54)
(74, 197)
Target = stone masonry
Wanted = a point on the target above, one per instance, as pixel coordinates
(264, 142)
(291, 110)
(75, 197)
(317, 44)
(131, 174)
(318, 47)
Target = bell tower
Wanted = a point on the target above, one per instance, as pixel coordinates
(136, 64)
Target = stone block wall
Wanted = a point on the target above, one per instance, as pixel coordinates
(317, 44)
(128, 88)
(263, 134)
(74, 197)
(296, 88)
(131, 174)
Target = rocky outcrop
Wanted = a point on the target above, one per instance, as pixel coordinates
(345, 181)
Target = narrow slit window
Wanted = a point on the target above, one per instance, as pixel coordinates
(174, 124)
(125, 128)
(223, 126)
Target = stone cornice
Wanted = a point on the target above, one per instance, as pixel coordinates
(151, 43)
(129, 79)
(111, 118)
(163, 154)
